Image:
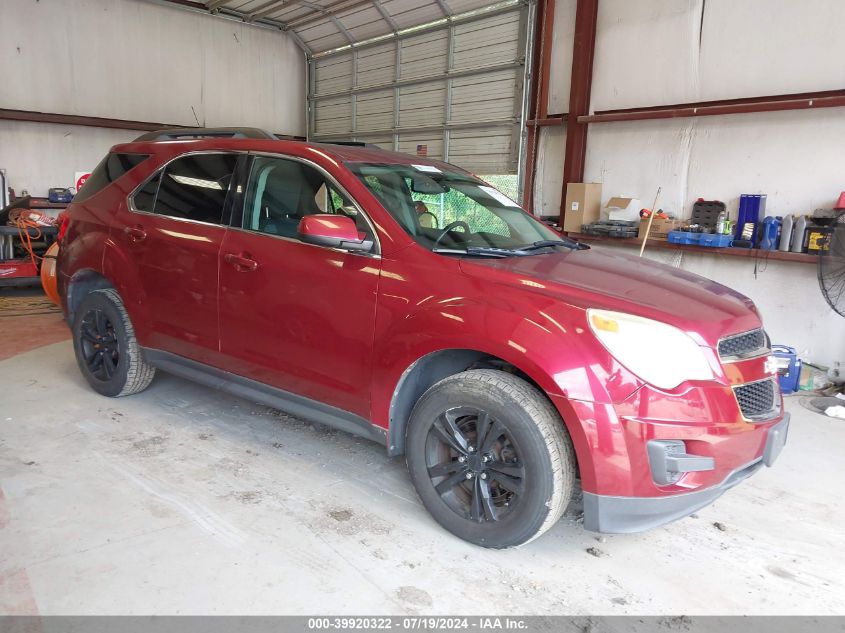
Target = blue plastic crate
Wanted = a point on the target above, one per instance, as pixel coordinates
(683, 237)
(712, 240)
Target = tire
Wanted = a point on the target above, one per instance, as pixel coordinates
(513, 487)
(106, 350)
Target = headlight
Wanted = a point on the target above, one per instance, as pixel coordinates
(660, 354)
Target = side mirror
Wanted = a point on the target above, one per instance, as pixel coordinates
(334, 231)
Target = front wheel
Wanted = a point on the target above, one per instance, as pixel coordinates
(490, 458)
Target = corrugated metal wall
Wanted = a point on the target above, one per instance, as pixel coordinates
(454, 92)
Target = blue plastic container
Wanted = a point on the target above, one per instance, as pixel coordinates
(683, 237)
(769, 232)
(751, 207)
(712, 240)
(789, 368)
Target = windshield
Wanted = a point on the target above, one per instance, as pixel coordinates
(451, 211)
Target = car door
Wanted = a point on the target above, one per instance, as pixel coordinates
(172, 231)
(297, 316)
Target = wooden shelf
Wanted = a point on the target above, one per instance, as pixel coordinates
(747, 253)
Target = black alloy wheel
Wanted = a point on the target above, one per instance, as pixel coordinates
(474, 464)
(99, 345)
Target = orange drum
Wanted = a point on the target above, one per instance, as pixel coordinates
(48, 273)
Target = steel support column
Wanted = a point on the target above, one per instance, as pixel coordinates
(540, 61)
(583, 50)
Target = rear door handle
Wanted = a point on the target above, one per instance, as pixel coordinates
(135, 233)
(243, 263)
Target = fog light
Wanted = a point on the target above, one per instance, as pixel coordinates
(669, 461)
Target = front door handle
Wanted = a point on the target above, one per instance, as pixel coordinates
(135, 233)
(243, 262)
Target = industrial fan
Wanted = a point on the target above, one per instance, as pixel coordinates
(832, 266)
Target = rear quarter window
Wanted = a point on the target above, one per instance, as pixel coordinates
(112, 167)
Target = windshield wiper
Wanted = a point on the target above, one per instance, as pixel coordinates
(482, 251)
(564, 241)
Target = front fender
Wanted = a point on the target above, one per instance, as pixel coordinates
(553, 346)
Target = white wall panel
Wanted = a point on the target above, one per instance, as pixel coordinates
(793, 157)
(137, 60)
(560, 69)
(548, 179)
(646, 53)
(38, 156)
(769, 47)
(657, 52)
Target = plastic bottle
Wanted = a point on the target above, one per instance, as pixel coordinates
(769, 233)
(720, 223)
(785, 233)
(798, 233)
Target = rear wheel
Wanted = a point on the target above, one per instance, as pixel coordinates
(490, 458)
(106, 350)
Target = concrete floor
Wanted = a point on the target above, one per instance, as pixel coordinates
(181, 500)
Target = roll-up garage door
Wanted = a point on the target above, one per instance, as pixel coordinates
(452, 90)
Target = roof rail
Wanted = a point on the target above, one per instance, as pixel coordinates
(173, 134)
(350, 143)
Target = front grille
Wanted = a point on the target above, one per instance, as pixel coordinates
(758, 400)
(743, 345)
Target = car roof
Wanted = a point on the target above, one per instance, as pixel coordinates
(351, 153)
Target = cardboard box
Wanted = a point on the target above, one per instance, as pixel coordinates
(622, 208)
(659, 228)
(583, 205)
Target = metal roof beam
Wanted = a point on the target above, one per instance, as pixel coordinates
(339, 26)
(445, 8)
(385, 16)
(300, 42)
(271, 7)
(328, 10)
(220, 12)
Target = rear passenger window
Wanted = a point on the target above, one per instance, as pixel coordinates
(112, 167)
(194, 187)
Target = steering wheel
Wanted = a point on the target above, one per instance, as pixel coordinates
(449, 227)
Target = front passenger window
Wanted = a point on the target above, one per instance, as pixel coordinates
(281, 192)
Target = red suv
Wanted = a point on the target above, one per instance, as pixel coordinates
(406, 300)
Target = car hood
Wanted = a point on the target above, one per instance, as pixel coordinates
(605, 279)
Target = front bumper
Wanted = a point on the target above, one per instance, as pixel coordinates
(621, 515)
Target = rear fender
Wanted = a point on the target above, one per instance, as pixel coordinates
(121, 269)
